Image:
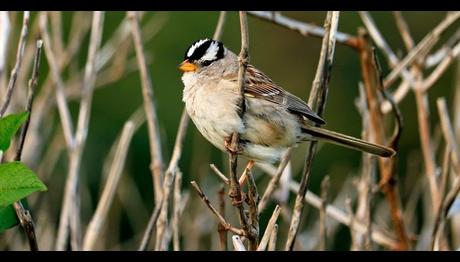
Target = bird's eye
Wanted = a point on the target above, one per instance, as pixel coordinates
(206, 62)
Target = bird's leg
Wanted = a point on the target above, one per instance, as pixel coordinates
(228, 146)
(248, 168)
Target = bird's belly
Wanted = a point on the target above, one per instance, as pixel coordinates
(216, 118)
(267, 129)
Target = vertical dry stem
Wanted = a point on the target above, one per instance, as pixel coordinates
(317, 101)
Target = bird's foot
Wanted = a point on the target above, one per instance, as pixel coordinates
(229, 147)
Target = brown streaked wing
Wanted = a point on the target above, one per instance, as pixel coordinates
(260, 85)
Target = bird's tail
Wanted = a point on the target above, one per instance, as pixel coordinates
(347, 141)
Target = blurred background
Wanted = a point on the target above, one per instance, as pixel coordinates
(287, 57)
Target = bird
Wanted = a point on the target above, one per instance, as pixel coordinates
(273, 119)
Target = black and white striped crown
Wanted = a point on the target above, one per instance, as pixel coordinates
(205, 51)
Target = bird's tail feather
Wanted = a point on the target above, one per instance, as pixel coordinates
(347, 141)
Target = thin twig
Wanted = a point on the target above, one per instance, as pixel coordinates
(441, 68)
(70, 208)
(273, 238)
(322, 213)
(438, 56)
(405, 86)
(403, 28)
(108, 194)
(422, 48)
(17, 65)
(316, 101)
(24, 216)
(64, 113)
(168, 181)
(439, 218)
(373, 84)
(220, 174)
(156, 164)
(177, 210)
(444, 211)
(305, 29)
(32, 86)
(269, 229)
(150, 226)
(379, 236)
(274, 181)
(355, 245)
(222, 220)
(448, 133)
(426, 143)
(253, 201)
(382, 44)
(221, 228)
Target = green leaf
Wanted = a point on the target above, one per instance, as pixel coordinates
(16, 182)
(8, 218)
(9, 125)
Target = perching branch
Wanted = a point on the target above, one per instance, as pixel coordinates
(235, 190)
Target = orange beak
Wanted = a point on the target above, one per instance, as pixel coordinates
(186, 66)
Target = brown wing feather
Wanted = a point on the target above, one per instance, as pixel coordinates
(260, 85)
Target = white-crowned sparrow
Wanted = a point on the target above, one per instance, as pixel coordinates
(273, 119)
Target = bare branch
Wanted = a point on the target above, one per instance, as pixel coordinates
(222, 220)
(441, 68)
(108, 194)
(273, 238)
(235, 190)
(220, 174)
(150, 226)
(379, 236)
(17, 65)
(274, 181)
(317, 102)
(156, 165)
(304, 29)
(269, 229)
(448, 133)
(382, 44)
(403, 28)
(422, 47)
(177, 210)
(322, 213)
(221, 228)
(24, 216)
(67, 126)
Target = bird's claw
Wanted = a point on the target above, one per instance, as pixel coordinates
(228, 146)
